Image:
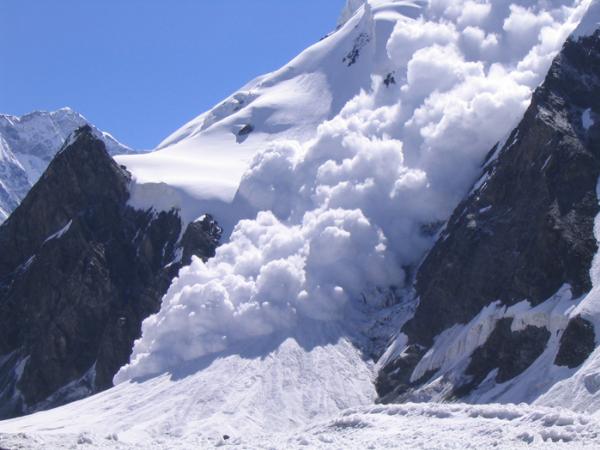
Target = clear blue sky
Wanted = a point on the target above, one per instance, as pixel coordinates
(142, 68)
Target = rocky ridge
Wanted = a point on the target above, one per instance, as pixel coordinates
(79, 271)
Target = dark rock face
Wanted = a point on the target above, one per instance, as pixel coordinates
(526, 228)
(243, 133)
(576, 344)
(359, 43)
(79, 271)
(395, 377)
(201, 238)
(389, 79)
(511, 352)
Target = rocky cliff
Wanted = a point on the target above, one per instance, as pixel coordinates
(525, 231)
(79, 271)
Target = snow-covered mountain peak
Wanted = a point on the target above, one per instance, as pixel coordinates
(201, 165)
(41, 133)
(590, 21)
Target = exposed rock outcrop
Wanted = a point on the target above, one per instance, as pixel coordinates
(79, 271)
(510, 352)
(576, 344)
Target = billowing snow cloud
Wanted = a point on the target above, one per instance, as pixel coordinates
(340, 216)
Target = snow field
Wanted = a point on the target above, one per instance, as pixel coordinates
(407, 426)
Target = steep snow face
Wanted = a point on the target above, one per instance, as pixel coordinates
(13, 180)
(350, 8)
(201, 164)
(28, 143)
(591, 22)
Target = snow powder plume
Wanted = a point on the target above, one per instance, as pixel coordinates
(339, 214)
(349, 10)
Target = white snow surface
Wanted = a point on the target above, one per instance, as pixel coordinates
(27, 145)
(277, 383)
(464, 72)
(406, 426)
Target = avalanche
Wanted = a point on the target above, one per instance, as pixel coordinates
(334, 217)
(331, 177)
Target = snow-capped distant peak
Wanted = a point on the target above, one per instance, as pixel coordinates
(29, 142)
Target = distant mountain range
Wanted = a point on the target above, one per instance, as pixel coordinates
(27, 145)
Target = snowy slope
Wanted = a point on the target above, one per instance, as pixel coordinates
(203, 162)
(28, 143)
(425, 83)
(276, 384)
(407, 426)
(590, 22)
